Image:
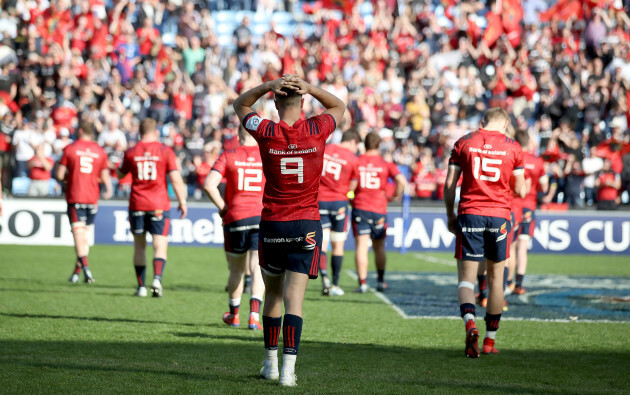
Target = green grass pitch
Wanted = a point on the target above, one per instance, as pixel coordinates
(56, 337)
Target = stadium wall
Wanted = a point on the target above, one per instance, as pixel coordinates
(44, 222)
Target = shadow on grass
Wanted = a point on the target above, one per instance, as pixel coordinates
(216, 365)
(100, 319)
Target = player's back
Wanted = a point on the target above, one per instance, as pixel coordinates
(487, 160)
(149, 164)
(243, 169)
(374, 172)
(84, 160)
(339, 169)
(534, 170)
(292, 159)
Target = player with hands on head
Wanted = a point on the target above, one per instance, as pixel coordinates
(491, 165)
(240, 210)
(290, 237)
(83, 163)
(150, 163)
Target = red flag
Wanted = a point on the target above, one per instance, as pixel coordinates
(494, 29)
(343, 5)
(563, 10)
(512, 15)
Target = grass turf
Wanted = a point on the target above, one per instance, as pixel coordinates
(59, 337)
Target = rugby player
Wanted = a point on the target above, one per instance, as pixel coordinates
(369, 209)
(149, 163)
(240, 210)
(290, 238)
(83, 163)
(340, 171)
(491, 164)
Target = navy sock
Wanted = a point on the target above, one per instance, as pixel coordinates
(234, 309)
(323, 264)
(291, 333)
(140, 271)
(380, 274)
(271, 330)
(467, 308)
(78, 265)
(519, 279)
(506, 273)
(492, 322)
(336, 263)
(483, 285)
(158, 268)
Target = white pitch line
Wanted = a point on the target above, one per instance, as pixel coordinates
(434, 259)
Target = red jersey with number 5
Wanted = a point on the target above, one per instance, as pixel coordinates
(370, 194)
(293, 158)
(340, 167)
(243, 171)
(149, 164)
(85, 160)
(534, 170)
(487, 160)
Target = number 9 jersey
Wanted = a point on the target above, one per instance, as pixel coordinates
(149, 163)
(292, 158)
(487, 160)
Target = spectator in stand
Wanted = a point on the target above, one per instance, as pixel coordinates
(608, 184)
(40, 172)
(591, 166)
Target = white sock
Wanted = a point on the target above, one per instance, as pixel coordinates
(235, 302)
(491, 334)
(467, 317)
(256, 316)
(272, 355)
(288, 363)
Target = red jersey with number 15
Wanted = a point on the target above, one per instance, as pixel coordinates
(293, 158)
(85, 160)
(370, 194)
(340, 167)
(149, 164)
(243, 170)
(487, 160)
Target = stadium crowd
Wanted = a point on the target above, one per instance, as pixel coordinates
(420, 73)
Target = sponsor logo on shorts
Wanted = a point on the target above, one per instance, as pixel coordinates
(157, 215)
(310, 240)
(503, 232)
(278, 240)
(474, 255)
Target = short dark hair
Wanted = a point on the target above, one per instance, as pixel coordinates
(87, 128)
(372, 141)
(494, 114)
(351, 135)
(522, 137)
(147, 125)
(292, 98)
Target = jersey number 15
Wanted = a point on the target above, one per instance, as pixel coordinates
(487, 166)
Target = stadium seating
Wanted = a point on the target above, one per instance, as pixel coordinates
(20, 186)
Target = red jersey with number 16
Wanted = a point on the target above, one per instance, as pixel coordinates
(85, 160)
(149, 163)
(243, 170)
(340, 167)
(370, 194)
(293, 158)
(487, 160)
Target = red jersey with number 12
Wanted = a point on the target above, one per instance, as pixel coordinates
(242, 168)
(340, 167)
(293, 158)
(370, 194)
(85, 160)
(487, 160)
(149, 163)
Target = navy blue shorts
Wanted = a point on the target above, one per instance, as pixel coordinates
(242, 235)
(290, 245)
(334, 215)
(369, 223)
(155, 222)
(480, 237)
(79, 212)
(528, 224)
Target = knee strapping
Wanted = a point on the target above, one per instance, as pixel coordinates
(466, 284)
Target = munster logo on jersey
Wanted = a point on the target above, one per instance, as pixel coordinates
(292, 146)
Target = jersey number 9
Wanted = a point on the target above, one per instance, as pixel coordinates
(299, 170)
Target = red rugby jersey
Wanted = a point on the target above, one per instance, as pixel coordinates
(85, 160)
(243, 170)
(487, 160)
(149, 163)
(340, 167)
(293, 158)
(534, 169)
(370, 194)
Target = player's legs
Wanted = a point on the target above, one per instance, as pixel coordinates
(466, 272)
(80, 219)
(380, 258)
(236, 264)
(361, 258)
(160, 246)
(323, 261)
(258, 289)
(511, 268)
(293, 297)
(495, 305)
(272, 322)
(140, 262)
(521, 262)
(336, 261)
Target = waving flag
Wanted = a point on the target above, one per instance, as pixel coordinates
(343, 5)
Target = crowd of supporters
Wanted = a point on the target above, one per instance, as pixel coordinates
(421, 73)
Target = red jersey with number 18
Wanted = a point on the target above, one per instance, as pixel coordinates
(370, 194)
(85, 160)
(487, 159)
(242, 168)
(293, 158)
(340, 168)
(149, 163)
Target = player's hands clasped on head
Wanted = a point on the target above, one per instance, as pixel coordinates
(277, 85)
(295, 82)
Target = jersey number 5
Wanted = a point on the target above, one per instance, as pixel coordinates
(299, 170)
(85, 163)
(487, 166)
(248, 176)
(147, 171)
